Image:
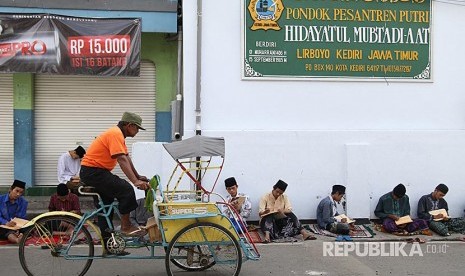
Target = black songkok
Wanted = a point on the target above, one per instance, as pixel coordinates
(442, 188)
(399, 190)
(281, 185)
(229, 182)
(339, 188)
(19, 184)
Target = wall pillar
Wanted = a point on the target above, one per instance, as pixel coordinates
(23, 116)
(163, 53)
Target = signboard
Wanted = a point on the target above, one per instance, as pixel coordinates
(338, 39)
(56, 44)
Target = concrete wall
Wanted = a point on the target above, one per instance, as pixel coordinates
(369, 136)
(369, 163)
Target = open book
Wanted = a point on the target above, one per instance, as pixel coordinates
(343, 216)
(239, 199)
(404, 220)
(19, 224)
(437, 212)
(277, 215)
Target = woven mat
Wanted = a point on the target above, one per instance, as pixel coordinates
(32, 241)
(360, 231)
(380, 228)
(4, 242)
(257, 235)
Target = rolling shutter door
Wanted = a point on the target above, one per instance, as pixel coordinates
(7, 130)
(73, 110)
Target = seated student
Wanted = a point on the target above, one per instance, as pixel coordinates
(327, 210)
(234, 198)
(394, 205)
(436, 201)
(277, 220)
(12, 205)
(63, 200)
(69, 165)
(140, 215)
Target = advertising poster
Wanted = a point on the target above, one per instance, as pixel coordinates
(337, 39)
(56, 44)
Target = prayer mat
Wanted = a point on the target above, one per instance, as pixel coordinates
(4, 242)
(257, 236)
(39, 242)
(360, 231)
(287, 239)
(317, 230)
(380, 228)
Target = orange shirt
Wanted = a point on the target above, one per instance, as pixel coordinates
(100, 152)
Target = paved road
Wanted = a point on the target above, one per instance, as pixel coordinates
(305, 258)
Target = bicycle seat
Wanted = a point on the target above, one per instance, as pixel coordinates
(87, 191)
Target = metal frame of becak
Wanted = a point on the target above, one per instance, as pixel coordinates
(192, 230)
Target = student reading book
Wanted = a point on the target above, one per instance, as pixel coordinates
(327, 214)
(433, 208)
(12, 205)
(276, 228)
(394, 205)
(240, 202)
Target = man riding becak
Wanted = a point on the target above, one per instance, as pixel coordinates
(108, 149)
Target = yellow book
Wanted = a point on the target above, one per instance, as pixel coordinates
(404, 220)
(240, 200)
(343, 216)
(438, 212)
(19, 224)
(277, 215)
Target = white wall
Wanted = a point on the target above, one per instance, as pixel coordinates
(368, 136)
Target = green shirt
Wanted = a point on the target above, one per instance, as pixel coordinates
(387, 205)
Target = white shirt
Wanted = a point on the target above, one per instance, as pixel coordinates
(246, 208)
(67, 167)
(335, 212)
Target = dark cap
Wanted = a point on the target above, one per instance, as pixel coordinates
(229, 182)
(132, 118)
(281, 185)
(442, 188)
(399, 190)
(80, 151)
(339, 188)
(19, 184)
(62, 189)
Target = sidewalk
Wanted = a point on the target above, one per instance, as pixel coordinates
(388, 237)
(381, 236)
(39, 204)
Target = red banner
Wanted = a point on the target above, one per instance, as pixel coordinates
(56, 44)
